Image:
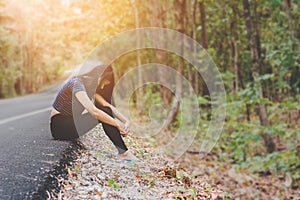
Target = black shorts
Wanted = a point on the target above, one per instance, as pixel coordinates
(63, 127)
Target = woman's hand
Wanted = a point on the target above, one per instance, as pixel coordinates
(127, 127)
(122, 131)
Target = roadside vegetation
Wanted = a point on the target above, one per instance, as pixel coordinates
(255, 45)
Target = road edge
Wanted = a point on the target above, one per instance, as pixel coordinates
(50, 182)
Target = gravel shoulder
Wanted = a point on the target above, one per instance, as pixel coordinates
(98, 174)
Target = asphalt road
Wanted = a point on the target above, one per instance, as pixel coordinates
(27, 150)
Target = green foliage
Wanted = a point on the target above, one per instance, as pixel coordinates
(276, 3)
(277, 162)
(10, 70)
(227, 196)
(41, 40)
(250, 95)
(112, 183)
(241, 142)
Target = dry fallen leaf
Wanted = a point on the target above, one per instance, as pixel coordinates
(98, 193)
(288, 180)
(170, 173)
(117, 175)
(137, 176)
(71, 173)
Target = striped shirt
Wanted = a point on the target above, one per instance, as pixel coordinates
(64, 100)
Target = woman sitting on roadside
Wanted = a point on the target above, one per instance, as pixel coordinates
(69, 119)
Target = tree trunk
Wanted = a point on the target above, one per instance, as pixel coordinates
(254, 46)
(138, 57)
(240, 77)
(22, 65)
(203, 25)
(138, 39)
(298, 19)
(28, 60)
(287, 7)
(236, 66)
(235, 50)
(158, 20)
(193, 35)
(204, 41)
(181, 28)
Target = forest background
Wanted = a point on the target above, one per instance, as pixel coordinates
(254, 43)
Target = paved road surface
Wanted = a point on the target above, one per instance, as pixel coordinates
(27, 150)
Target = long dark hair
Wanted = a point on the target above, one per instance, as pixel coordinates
(90, 79)
(107, 91)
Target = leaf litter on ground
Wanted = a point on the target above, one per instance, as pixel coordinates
(98, 174)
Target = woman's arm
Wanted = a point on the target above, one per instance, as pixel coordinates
(122, 118)
(115, 111)
(94, 111)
